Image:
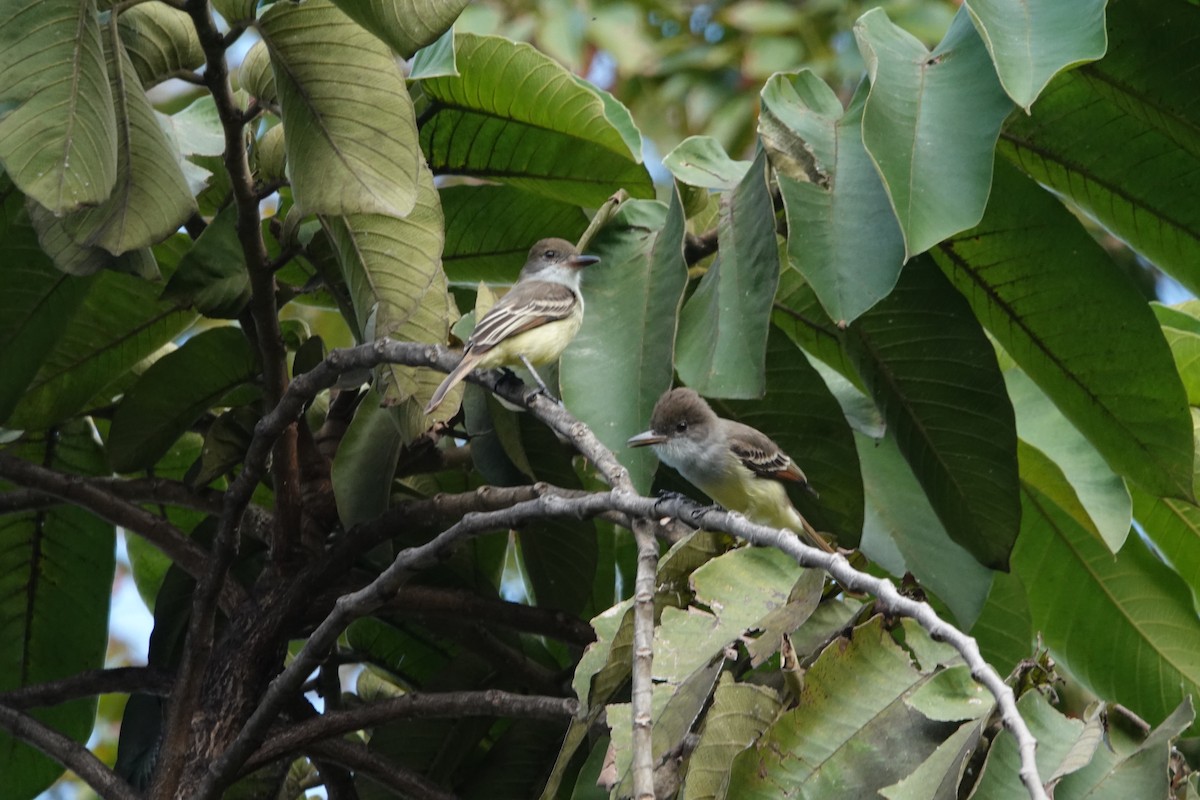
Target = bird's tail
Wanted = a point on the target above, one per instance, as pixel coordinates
(811, 533)
(453, 379)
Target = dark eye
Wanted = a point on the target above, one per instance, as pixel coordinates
(681, 426)
(551, 255)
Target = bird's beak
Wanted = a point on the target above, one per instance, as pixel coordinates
(581, 261)
(645, 438)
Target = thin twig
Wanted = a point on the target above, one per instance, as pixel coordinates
(120, 680)
(433, 601)
(357, 757)
(68, 752)
(450, 705)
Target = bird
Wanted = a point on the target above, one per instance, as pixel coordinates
(533, 323)
(736, 465)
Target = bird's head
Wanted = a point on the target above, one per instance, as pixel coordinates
(552, 258)
(680, 423)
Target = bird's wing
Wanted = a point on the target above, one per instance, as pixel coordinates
(527, 305)
(762, 456)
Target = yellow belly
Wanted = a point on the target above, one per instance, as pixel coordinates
(541, 345)
(760, 500)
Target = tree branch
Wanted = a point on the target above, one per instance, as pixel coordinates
(122, 680)
(82, 492)
(357, 757)
(68, 752)
(422, 601)
(450, 705)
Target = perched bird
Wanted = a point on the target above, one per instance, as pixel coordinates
(734, 464)
(533, 323)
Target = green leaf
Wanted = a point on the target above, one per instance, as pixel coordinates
(702, 161)
(270, 154)
(938, 776)
(405, 25)
(930, 124)
(1020, 269)
(1102, 493)
(1120, 139)
(36, 300)
(799, 314)
(803, 417)
(1031, 41)
(514, 115)
(174, 392)
(160, 40)
(364, 466)
(1174, 527)
(392, 268)
(76, 259)
(489, 230)
(1003, 629)
(56, 572)
(212, 275)
(689, 638)
(723, 326)
(934, 373)
(120, 322)
(234, 11)
(152, 198)
(560, 555)
(435, 60)
(739, 714)
(1123, 625)
(1128, 767)
(842, 233)
(851, 733)
(58, 132)
(903, 534)
(632, 298)
(255, 74)
(351, 136)
(1056, 736)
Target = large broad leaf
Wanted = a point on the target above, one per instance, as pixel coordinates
(842, 233)
(800, 315)
(35, 300)
(393, 270)
(174, 392)
(160, 40)
(364, 466)
(120, 322)
(1058, 739)
(1049, 294)
(405, 25)
(56, 571)
(78, 259)
(1124, 626)
(1129, 766)
(739, 714)
(803, 417)
(212, 275)
(514, 115)
(152, 197)
(351, 136)
(1003, 629)
(930, 124)
(702, 161)
(1102, 492)
(621, 361)
(489, 230)
(934, 373)
(1174, 527)
(852, 733)
(1121, 137)
(723, 327)
(903, 534)
(1032, 40)
(58, 131)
